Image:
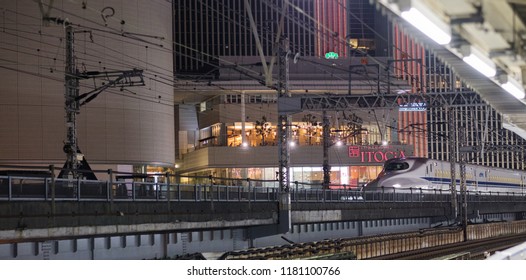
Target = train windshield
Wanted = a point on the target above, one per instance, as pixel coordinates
(396, 166)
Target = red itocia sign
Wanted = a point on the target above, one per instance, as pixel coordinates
(370, 154)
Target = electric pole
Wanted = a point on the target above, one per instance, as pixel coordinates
(326, 145)
(75, 160)
(284, 136)
(452, 159)
(463, 184)
(72, 108)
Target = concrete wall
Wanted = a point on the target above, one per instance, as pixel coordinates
(126, 127)
(209, 242)
(128, 247)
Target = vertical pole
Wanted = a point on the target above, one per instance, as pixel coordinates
(296, 183)
(452, 159)
(463, 186)
(71, 106)
(350, 77)
(52, 173)
(133, 191)
(249, 194)
(168, 190)
(165, 240)
(243, 118)
(211, 191)
(284, 122)
(110, 188)
(10, 187)
(227, 192)
(77, 189)
(326, 144)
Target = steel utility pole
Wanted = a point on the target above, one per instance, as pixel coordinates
(73, 101)
(326, 145)
(452, 159)
(281, 53)
(72, 108)
(463, 186)
(284, 136)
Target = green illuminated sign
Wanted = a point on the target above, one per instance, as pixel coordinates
(331, 55)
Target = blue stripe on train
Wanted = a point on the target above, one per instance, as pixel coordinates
(471, 182)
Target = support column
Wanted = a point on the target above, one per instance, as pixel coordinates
(452, 159)
(284, 123)
(326, 145)
(463, 186)
(243, 119)
(72, 107)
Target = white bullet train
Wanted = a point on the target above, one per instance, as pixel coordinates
(406, 174)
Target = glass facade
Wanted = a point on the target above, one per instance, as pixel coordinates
(261, 127)
(342, 177)
(265, 134)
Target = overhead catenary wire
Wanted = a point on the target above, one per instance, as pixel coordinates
(94, 21)
(258, 25)
(151, 76)
(39, 54)
(116, 32)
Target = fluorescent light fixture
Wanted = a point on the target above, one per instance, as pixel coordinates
(422, 22)
(478, 61)
(514, 88)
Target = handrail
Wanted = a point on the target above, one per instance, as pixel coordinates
(16, 188)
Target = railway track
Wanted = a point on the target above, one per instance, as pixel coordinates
(471, 249)
(443, 243)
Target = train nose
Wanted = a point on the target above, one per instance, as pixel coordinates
(373, 185)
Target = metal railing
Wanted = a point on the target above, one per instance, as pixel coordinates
(32, 188)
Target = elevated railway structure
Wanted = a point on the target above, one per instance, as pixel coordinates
(43, 209)
(443, 243)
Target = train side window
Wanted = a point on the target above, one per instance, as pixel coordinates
(430, 168)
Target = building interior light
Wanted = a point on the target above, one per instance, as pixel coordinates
(513, 88)
(424, 24)
(478, 61)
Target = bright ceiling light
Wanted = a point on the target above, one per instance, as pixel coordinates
(480, 66)
(513, 88)
(422, 22)
(478, 61)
